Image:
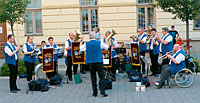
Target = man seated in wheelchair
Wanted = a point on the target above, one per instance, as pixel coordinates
(176, 63)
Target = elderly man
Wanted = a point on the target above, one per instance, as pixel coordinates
(94, 59)
(166, 43)
(177, 62)
(141, 40)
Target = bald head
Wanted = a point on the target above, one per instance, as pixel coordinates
(176, 47)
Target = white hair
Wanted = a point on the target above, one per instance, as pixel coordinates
(92, 35)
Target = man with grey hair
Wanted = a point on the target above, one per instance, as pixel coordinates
(177, 63)
(166, 43)
(94, 59)
(96, 30)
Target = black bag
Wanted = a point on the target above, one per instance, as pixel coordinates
(37, 85)
(108, 84)
(22, 75)
(55, 80)
(145, 81)
(134, 76)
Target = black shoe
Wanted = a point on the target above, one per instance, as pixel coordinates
(152, 74)
(94, 94)
(18, 89)
(104, 95)
(70, 79)
(13, 91)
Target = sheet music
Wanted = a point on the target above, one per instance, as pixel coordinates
(106, 61)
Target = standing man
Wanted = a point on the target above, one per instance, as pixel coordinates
(68, 58)
(166, 43)
(141, 39)
(29, 61)
(173, 33)
(94, 59)
(98, 36)
(11, 58)
(154, 52)
(114, 45)
(52, 45)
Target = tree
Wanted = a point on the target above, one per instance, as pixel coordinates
(13, 11)
(185, 10)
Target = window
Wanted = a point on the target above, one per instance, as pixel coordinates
(197, 21)
(89, 15)
(33, 24)
(146, 14)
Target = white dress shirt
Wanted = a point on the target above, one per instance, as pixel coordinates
(25, 48)
(67, 46)
(168, 39)
(103, 46)
(8, 51)
(144, 39)
(179, 58)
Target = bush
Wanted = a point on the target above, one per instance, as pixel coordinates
(196, 62)
(21, 68)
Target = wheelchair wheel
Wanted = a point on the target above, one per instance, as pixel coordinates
(184, 78)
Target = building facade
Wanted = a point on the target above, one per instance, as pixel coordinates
(58, 18)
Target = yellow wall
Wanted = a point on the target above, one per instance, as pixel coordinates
(59, 17)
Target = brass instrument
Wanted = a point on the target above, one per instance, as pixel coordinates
(165, 56)
(133, 36)
(112, 34)
(150, 39)
(77, 36)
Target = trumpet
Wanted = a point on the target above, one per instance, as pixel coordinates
(77, 35)
(165, 56)
(133, 36)
(150, 39)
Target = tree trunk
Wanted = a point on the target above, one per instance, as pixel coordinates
(187, 37)
(11, 25)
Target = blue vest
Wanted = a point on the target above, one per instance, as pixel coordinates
(93, 52)
(168, 47)
(155, 48)
(114, 52)
(10, 59)
(40, 60)
(177, 67)
(55, 55)
(142, 47)
(69, 52)
(27, 58)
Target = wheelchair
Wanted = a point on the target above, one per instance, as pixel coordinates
(184, 78)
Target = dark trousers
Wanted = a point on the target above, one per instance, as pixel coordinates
(154, 62)
(143, 63)
(97, 67)
(13, 76)
(69, 67)
(52, 74)
(82, 68)
(165, 73)
(120, 64)
(29, 70)
(113, 68)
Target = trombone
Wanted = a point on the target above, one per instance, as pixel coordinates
(165, 56)
(150, 39)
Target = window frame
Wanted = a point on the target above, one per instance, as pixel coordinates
(89, 8)
(33, 11)
(146, 6)
(196, 28)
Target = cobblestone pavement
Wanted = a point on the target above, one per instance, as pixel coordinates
(122, 92)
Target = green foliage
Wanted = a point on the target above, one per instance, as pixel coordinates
(13, 11)
(21, 68)
(182, 9)
(196, 62)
